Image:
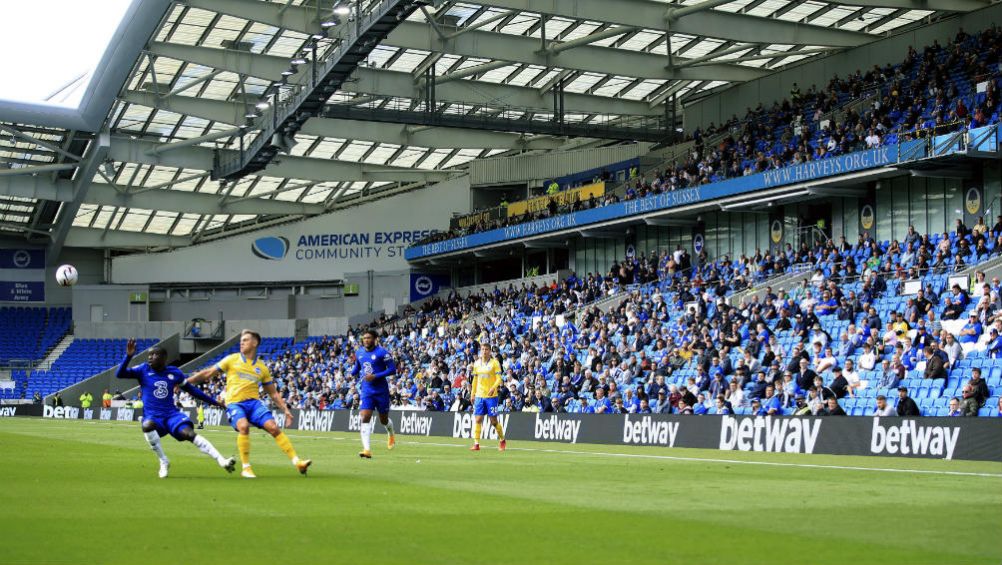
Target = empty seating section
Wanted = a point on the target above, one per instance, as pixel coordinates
(27, 334)
(84, 358)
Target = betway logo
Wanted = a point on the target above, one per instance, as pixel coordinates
(555, 428)
(775, 435)
(648, 431)
(8, 411)
(910, 437)
(68, 412)
(105, 414)
(415, 424)
(213, 417)
(354, 421)
(462, 426)
(316, 420)
(126, 414)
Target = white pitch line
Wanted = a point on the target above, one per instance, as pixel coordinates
(650, 456)
(734, 461)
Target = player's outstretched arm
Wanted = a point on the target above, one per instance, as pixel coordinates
(272, 391)
(124, 372)
(391, 368)
(200, 394)
(203, 375)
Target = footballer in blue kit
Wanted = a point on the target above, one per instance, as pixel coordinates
(372, 365)
(157, 383)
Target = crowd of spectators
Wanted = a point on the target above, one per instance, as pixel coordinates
(670, 341)
(931, 92)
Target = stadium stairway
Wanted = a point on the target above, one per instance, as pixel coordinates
(57, 351)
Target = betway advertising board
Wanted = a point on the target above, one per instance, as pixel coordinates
(974, 439)
(368, 237)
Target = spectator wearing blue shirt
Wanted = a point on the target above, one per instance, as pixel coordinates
(700, 407)
(600, 404)
(845, 347)
(771, 403)
(756, 408)
(972, 330)
(994, 344)
(718, 386)
(826, 306)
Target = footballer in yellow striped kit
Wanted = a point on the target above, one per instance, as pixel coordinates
(486, 375)
(244, 373)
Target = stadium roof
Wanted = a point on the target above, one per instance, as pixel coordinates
(145, 180)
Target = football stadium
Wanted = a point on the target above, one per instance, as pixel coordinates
(592, 281)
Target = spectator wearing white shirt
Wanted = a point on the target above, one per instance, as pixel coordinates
(872, 140)
(852, 377)
(868, 358)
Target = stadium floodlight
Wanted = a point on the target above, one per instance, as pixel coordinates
(299, 61)
(262, 105)
(252, 114)
(342, 10)
(289, 72)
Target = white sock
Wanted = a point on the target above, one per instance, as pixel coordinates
(389, 426)
(206, 447)
(366, 430)
(153, 438)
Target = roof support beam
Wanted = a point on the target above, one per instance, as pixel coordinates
(512, 48)
(195, 140)
(196, 82)
(196, 202)
(778, 55)
(939, 5)
(435, 138)
(555, 48)
(61, 190)
(99, 238)
(651, 14)
(305, 168)
(397, 84)
(676, 13)
(576, 54)
(38, 142)
(39, 188)
(94, 156)
(37, 169)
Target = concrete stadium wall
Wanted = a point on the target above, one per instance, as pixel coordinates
(322, 248)
(111, 302)
(89, 263)
(117, 330)
(777, 86)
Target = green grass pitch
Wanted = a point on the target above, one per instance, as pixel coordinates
(76, 492)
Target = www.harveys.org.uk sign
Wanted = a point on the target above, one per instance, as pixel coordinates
(338, 246)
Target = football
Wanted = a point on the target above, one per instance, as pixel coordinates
(66, 275)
